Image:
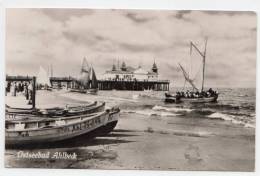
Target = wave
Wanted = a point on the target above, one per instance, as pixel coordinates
(243, 95)
(172, 109)
(200, 111)
(150, 113)
(244, 114)
(228, 106)
(179, 132)
(232, 118)
(145, 95)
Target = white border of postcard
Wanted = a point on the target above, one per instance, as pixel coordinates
(230, 5)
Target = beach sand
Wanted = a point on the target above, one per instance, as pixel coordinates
(153, 143)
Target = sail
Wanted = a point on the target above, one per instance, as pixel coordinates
(43, 78)
(195, 68)
(93, 83)
(186, 76)
(83, 78)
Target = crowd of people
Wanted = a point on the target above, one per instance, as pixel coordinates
(24, 88)
(196, 94)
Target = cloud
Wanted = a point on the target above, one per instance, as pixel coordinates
(137, 18)
(62, 15)
(62, 37)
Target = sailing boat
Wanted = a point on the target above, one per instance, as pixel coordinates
(83, 78)
(87, 80)
(43, 79)
(92, 84)
(196, 95)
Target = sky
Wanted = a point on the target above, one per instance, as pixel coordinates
(63, 37)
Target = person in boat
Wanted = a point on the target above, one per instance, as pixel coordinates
(212, 93)
(197, 94)
(178, 95)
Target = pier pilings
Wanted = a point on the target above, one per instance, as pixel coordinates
(133, 85)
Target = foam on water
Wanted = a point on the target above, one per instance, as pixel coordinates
(149, 113)
(232, 118)
(173, 109)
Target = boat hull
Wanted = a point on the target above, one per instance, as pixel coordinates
(78, 90)
(85, 91)
(92, 91)
(172, 99)
(101, 123)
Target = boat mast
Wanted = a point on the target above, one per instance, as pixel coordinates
(203, 55)
(33, 92)
(51, 71)
(204, 63)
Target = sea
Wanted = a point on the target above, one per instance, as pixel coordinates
(236, 105)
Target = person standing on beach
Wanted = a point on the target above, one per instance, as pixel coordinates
(26, 92)
(30, 90)
(13, 89)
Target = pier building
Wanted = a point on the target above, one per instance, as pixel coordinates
(117, 78)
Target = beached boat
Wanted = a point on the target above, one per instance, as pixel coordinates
(196, 95)
(97, 107)
(69, 110)
(48, 130)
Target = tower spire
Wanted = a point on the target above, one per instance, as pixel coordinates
(123, 67)
(114, 66)
(154, 68)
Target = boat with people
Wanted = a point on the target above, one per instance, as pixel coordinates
(195, 95)
(37, 130)
(192, 97)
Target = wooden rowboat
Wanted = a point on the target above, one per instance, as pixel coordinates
(59, 111)
(47, 130)
(76, 110)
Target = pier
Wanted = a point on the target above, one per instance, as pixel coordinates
(133, 85)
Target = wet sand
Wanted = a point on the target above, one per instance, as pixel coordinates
(153, 143)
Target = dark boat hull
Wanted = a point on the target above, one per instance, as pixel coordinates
(172, 99)
(97, 125)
